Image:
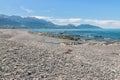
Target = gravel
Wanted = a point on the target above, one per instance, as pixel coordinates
(39, 60)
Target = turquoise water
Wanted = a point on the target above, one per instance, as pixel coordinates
(99, 35)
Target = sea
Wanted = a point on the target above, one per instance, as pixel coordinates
(111, 35)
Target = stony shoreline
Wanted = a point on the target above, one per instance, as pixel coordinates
(28, 56)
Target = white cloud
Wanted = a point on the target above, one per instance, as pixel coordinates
(70, 20)
(63, 21)
(116, 23)
(78, 21)
(26, 9)
(43, 17)
(104, 23)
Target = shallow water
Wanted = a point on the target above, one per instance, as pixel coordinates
(87, 34)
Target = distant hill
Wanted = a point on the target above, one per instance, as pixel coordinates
(17, 22)
(88, 26)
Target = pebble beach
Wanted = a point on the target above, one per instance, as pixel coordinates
(31, 56)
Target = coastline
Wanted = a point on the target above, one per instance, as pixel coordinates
(26, 55)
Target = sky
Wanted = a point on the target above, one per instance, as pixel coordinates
(104, 13)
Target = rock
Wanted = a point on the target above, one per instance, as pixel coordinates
(62, 44)
(68, 51)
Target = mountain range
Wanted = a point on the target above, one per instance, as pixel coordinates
(18, 22)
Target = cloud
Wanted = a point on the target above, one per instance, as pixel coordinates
(63, 21)
(78, 21)
(26, 9)
(104, 23)
(43, 17)
(116, 23)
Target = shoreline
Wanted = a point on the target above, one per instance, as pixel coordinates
(75, 40)
(25, 55)
(43, 37)
(64, 37)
